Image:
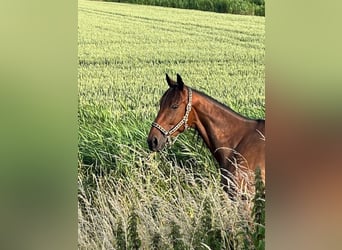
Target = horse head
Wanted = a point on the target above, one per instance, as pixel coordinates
(173, 115)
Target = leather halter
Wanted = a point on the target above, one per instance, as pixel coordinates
(180, 123)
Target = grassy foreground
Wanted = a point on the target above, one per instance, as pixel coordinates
(129, 198)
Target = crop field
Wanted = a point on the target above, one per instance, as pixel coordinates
(129, 198)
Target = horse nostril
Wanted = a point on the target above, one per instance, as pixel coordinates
(152, 143)
(155, 142)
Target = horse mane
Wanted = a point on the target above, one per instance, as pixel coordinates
(222, 105)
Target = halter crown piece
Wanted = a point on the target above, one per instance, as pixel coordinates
(180, 123)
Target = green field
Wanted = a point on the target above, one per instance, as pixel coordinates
(124, 52)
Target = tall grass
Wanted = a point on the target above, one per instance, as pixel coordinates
(170, 204)
(165, 207)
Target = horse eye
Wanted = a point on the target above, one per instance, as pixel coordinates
(174, 106)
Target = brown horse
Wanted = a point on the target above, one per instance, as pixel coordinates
(236, 142)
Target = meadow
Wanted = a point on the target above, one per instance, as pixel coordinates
(129, 198)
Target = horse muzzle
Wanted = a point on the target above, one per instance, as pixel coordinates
(156, 143)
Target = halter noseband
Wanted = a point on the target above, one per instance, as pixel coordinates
(180, 123)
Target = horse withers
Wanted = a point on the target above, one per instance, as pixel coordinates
(236, 142)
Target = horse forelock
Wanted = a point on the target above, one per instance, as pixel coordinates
(172, 95)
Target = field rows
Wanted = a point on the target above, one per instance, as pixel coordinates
(125, 45)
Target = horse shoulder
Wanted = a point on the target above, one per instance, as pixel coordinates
(252, 147)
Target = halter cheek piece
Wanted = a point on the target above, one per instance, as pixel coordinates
(180, 123)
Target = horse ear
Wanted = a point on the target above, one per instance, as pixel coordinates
(180, 82)
(169, 81)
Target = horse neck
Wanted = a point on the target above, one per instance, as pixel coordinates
(217, 124)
